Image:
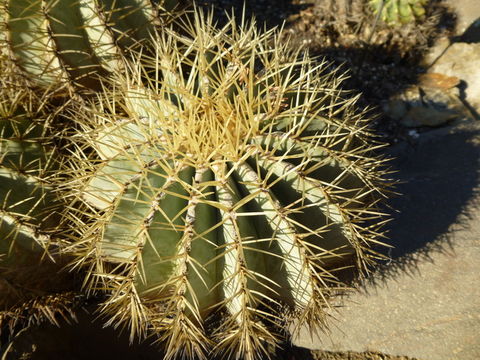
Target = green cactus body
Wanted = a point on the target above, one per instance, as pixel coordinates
(28, 38)
(236, 181)
(396, 12)
(29, 211)
(79, 40)
(33, 287)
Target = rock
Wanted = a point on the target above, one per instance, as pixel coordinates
(462, 60)
(426, 116)
(433, 102)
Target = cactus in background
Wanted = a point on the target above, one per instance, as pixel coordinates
(76, 40)
(225, 180)
(395, 12)
(31, 283)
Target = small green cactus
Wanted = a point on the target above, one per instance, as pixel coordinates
(395, 12)
(75, 40)
(225, 180)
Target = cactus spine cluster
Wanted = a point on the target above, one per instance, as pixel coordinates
(215, 185)
(395, 12)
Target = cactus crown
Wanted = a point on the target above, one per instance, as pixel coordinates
(196, 106)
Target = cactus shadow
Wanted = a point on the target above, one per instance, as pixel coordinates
(292, 352)
(438, 179)
(84, 339)
(88, 339)
(268, 13)
(471, 35)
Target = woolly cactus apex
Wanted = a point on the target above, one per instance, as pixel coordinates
(229, 180)
(395, 12)
(76, 40)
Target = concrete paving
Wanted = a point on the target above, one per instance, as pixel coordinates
(425, 304)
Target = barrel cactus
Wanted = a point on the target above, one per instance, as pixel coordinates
(25, 200)
(32, 286)
(395, 12)
(75, 41)
(223, 182)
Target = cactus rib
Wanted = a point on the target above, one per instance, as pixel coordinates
(80, 41)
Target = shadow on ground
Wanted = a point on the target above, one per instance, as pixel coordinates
(88, 340)
(268, 13)
(438, 181)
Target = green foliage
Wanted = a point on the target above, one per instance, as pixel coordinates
(396, 12)
(224, 176)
